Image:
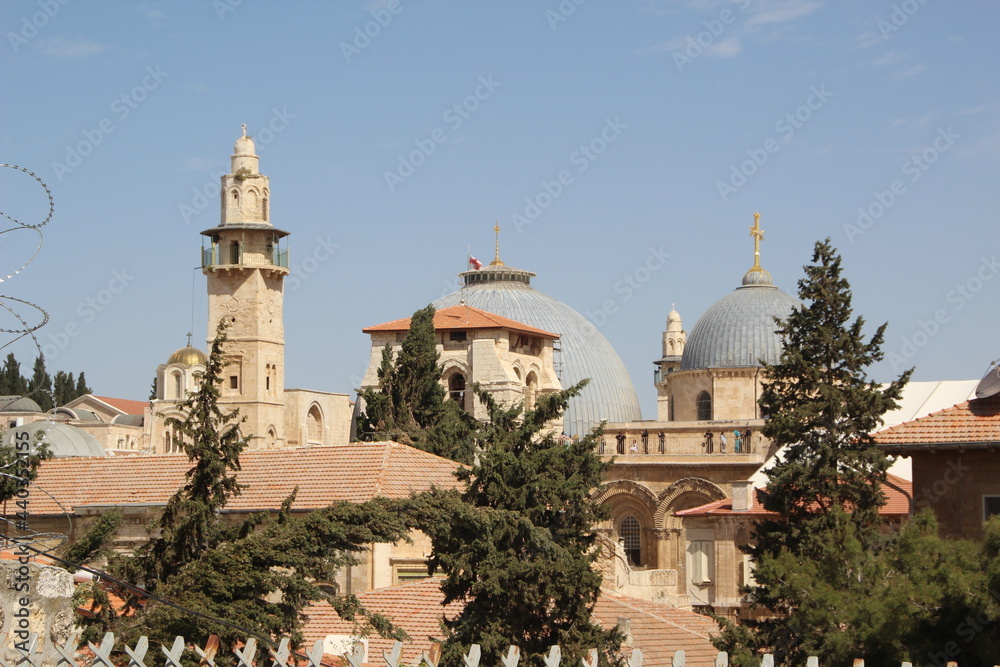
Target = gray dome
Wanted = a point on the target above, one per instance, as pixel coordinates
(18, 404)
(738, 330)
(586, 353)
(63, 440)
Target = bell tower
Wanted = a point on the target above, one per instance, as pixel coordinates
(246, 265)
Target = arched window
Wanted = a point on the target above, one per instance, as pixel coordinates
(314, 425)
(456, 388)
(264, 206)
(167, 443)
(704, 406)
(272, 439)
(531, 390)
(629, 533)
(178, 386)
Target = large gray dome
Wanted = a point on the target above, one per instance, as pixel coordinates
(739, 329)
(586, 353)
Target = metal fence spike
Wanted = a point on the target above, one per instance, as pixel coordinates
(315, 654)
(767, 660)
(248, 653)
(812, 661)
(722, 659)
(356, 656)
(284, 652)
(102, 653)
(512, 658)
(636, 659)
(208, 653)
(591, 660)
(472, 658)
(137, 655)
(67, 652)
(175, 652)
(554, 657)
(680, 658)
(392, 657)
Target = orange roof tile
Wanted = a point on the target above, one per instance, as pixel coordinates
(897, 503)
(656, 628)
(354, 472)
(464, 317)
(127, 406)
(975, 423)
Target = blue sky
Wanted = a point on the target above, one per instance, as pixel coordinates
(395, 134)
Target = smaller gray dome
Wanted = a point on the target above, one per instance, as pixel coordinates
(63, 440)
(18, 404)
(739, 329)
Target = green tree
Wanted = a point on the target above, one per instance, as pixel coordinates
(63, 387)
(12, 383)
(19, 462)
(255, 576)
(817, 562)
(41, 385)
(517, 545)
(409, 404)
(81, 388)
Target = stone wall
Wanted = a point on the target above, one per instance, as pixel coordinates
(47, 592)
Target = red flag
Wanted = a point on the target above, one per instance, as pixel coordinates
(475, 263)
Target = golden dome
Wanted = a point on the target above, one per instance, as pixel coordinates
(188, 356)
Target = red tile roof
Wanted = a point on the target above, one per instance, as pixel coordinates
(354, 472)
(127, 406)
(974, 423)
(656, 628)
(464, 317)
(897, 503)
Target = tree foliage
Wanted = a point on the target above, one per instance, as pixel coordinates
(410, 406)
(255, 576)
(517, 545)
(40, 386)
(818, 560)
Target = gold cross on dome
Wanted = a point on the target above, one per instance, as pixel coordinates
(758, 235)
(496, 259)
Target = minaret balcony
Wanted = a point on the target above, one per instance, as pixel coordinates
(245, 257)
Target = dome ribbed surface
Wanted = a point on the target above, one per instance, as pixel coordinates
(585, 352)
(63, 439)
(739, 329)
(188, 356)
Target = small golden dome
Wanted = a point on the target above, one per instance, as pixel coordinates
(188, 356)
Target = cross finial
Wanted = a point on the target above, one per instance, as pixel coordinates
(758, 235)
(189, 338)
(496, 259)
(244, 126)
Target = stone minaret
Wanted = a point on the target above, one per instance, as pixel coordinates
(674, 339)
(246, 267)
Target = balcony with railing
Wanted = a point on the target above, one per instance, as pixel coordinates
(245, 256)
(737, 441)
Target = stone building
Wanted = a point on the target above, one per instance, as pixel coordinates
(509, 359)
(705, 438)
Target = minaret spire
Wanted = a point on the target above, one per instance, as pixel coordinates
(496, 259)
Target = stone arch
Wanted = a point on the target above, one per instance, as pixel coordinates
(625, 493)
(314, 425)
(680, 494)
(703, 406)
(530, 389)
(271, 440)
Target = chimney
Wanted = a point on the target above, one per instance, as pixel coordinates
(742, 495)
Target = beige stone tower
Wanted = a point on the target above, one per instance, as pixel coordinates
(246, 268)
(674, 339)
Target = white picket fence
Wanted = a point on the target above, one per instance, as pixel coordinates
(70, 654)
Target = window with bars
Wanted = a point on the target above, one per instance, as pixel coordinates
(630, 534)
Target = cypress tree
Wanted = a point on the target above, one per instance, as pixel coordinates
(81, 388)
(63, 388)
(817, 562)
(517, 545)
(410, 406)
(41, 385)
(11, 380)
